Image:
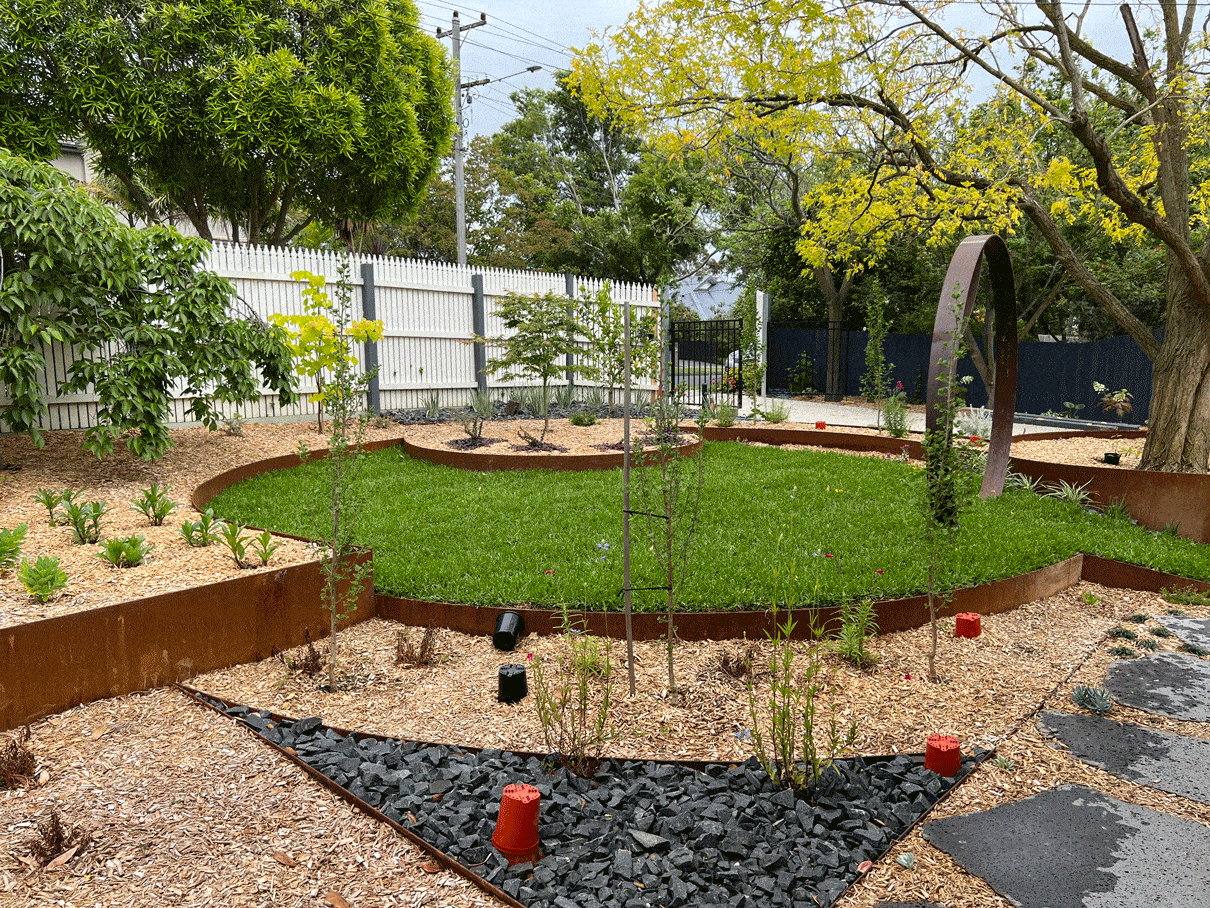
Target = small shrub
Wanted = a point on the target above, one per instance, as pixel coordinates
(412, 655)
(234, 426)
(201, 532)
(153, 503)
(583, 419)
(85, 520)
(858, 626)
(126, 552)
(895, 415)
(472, 424)
(1194, 650)
(55, 838)
(10, 546)
(237, 544)
(1148, 643)
(42, 578)
(1160, 631)
(725, 415)
(1005, 763)
(1090, 599)
(1122, 633)
(1137, 618)
(1184, 597)
(263, 547)
(778, 412)
(1124, 652)
(310, 661)
(1094, 699)
(17, 762)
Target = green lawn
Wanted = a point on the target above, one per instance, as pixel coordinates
(533, 537)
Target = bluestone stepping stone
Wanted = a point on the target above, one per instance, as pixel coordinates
(1163, 684)
(1157, 759)
(1191, 630)
(1073, 847)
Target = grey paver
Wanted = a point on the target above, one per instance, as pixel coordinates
(1157, 759)
(1191, 630)
(1074, 847)
(1164, 684)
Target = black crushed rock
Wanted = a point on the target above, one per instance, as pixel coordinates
(638, 833)
(413, 417)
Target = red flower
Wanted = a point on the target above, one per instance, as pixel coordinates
(907, 677)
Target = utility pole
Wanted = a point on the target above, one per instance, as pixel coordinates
(455, 35)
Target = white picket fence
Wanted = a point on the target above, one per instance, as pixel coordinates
(426, 309)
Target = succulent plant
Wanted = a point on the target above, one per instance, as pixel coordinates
(1094, 699)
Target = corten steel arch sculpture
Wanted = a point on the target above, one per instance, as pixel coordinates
(953, 312)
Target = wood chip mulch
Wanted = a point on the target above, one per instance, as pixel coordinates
(186, 808)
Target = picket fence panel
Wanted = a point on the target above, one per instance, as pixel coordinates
(427, 314)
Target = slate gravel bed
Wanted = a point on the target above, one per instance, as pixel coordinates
(637, 833)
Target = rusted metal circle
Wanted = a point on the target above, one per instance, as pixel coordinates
(958, 294)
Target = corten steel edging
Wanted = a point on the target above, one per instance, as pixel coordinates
(565, 463)
(365, 807)
(1154, 499)
(819, 438)
(206, 492)
(958, 293)
(465, 872)
(1124, 576)
(893, 614)
(52, 665)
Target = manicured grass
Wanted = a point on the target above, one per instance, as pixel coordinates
(532, 537)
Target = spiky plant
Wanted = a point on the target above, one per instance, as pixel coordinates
(1094, 699)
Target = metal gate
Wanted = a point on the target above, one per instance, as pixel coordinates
(707, 361)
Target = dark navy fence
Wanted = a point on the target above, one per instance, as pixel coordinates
(1050, 375)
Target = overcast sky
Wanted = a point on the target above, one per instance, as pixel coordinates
(519, 34)
(524, 33)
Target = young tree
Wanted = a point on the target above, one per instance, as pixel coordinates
(322, 341)
(542, 331)
(263, 114)
(879, 86)
(134, 302)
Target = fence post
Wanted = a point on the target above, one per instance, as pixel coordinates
(764, 304)
(569, 284)
(479, 326)
(369, 312)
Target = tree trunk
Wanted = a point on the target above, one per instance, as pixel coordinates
(1178, 438)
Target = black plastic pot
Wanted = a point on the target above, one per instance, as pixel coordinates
(1112, 457)
(510, 628)
(513, 684)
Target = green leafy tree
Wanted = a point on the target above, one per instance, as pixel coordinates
(263, 114)
(542, 331)
(134, 302)
(603, 358)
(879, 89)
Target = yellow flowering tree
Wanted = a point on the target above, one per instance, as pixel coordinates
(323, 337)
(1070, 139)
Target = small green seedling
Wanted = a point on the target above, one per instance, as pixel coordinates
(1122, 652)
(128, 551)
(153, 503)
(201, 532)
(49, 499)
(1122, 633)
(1138, 619)
(1005, 763)
(263, 547)
(1185, 597)
(10, 546)
(1094, 699)
(42, 578)
(237, 543)
(1091, 600)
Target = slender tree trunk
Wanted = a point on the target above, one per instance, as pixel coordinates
(1178, 438)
